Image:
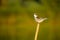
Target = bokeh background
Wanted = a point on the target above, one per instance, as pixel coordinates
(17, 21)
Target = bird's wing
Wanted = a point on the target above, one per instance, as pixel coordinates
(42, 19)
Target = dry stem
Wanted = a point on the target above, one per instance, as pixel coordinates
(37, 30)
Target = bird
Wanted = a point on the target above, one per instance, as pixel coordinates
(37, 19)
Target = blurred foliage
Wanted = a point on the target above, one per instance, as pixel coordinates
(17, 21)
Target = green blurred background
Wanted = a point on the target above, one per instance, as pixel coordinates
(17, 21)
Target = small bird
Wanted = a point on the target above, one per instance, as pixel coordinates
(37, 19)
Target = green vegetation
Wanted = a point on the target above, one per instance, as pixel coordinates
(17, 21)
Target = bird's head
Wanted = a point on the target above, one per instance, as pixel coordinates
(35, 15)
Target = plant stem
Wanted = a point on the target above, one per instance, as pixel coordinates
(37, 30)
